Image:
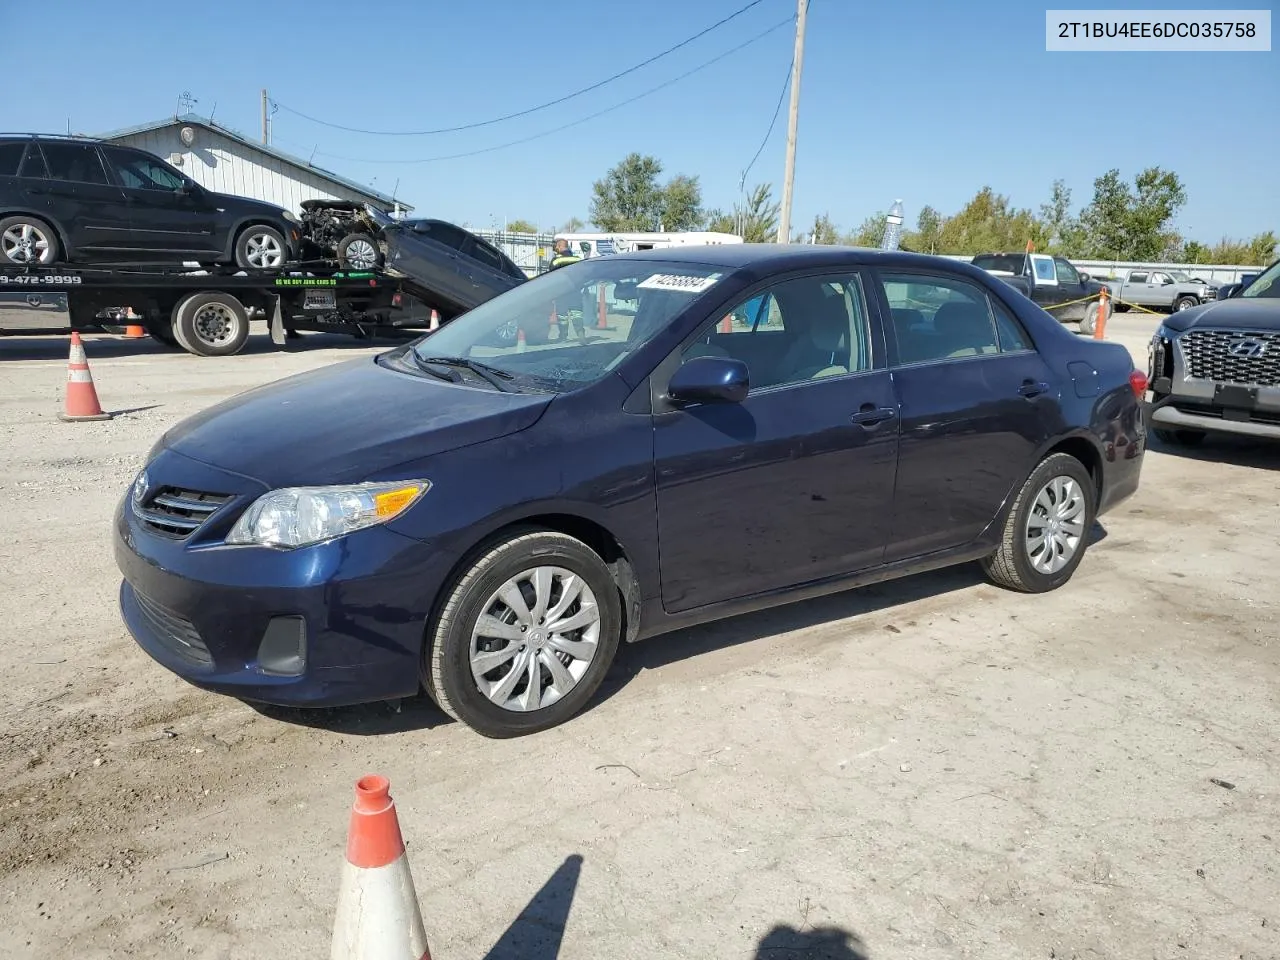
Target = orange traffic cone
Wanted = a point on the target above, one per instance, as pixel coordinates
(81, 402)
(435, 319)
(133, 331)
(520, 339)
(602, 314)
(378, 914)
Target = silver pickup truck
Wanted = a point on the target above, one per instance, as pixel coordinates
(1169, 290)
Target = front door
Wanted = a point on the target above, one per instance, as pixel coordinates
(796, 482)
(80, 196)
(166, 215)
(976, 406)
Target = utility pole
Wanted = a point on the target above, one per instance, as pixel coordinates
(784, 217)
(265, 138)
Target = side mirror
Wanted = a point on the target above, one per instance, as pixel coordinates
(1084, 278)
(710, 380)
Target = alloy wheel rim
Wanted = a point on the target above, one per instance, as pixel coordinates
(535, 639)
(361, 255)
(215, 323)
(263, 250)
(25, 243)
(1055, 525)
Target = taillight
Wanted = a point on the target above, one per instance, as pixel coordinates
(1138, 383)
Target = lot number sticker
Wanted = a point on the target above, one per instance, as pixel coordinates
(672, 281)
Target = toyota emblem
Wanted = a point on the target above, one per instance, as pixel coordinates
(1246, 348)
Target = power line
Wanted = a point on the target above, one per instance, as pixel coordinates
(776, 110)
(599, 113)
(541, 106)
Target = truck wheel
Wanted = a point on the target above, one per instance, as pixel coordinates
(211, 324)
(25, 241)
(1090, 319)
(260, 247)
(1185, 303)
(359, 251)
(162, 330)
(1180, 438)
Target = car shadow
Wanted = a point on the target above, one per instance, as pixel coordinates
(1225, 448)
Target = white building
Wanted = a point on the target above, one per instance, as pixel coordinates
(221, 159)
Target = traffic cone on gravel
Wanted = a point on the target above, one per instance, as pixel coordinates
(378, 914)
(81, 401)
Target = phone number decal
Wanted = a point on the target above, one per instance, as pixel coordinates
(24, 281)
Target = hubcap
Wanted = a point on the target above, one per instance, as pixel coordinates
(361, 255)
(535, 638)
(215, 323)
(264, 251)
(1055, 525)
(1184, 304)
(25, 243)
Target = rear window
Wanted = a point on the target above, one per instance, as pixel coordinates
(34, 165)
(10, 158)
(77, 162)
(1006, 263)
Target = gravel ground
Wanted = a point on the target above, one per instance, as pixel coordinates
(929, 768)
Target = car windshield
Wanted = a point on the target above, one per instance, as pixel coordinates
(1267, 285)
(1179, 276)
(571, 326)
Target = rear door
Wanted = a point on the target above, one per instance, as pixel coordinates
(977, 402)
(81, 197)
(165, 216)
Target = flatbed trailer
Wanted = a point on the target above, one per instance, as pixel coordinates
(209, 314)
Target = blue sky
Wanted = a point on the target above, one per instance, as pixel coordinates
(924, 101)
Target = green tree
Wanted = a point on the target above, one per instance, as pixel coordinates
(1062, 231)
(1132, 223)
(755, 220)
(924, 239)
(869, 233)
(720, 222)
(521, 226)
(1193, 252)
(1258, 251)
(989, 223)
(823, 231)
(629, 197)
(572, 225)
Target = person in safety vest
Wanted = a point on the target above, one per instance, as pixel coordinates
(563, 256)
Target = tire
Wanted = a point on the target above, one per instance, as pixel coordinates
(359, 251)
(162, 331)
(260, 247)
(1185, 303)
(211, 325)
(1089, 321)
(447, 659)
(1180, 438)
(27, 241)
(1122, 308)
(1013, 564)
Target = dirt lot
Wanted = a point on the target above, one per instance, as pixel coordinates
(931, 768)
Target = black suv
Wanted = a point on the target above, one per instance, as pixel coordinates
(76, 200)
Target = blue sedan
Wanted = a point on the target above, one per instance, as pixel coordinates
(719, 429)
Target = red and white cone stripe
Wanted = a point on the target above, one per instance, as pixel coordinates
(378, 914)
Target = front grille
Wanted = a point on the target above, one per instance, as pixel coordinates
(178, 513)
(177, 635)
(1209, 357)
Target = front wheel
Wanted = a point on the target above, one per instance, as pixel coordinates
(359, 251)
(1047, 531)
(525, 636)
(1185, 303)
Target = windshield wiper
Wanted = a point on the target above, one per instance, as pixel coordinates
(493, 375)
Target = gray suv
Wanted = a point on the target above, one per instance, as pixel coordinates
(77, 200)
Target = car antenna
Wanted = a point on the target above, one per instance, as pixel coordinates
(212, 112)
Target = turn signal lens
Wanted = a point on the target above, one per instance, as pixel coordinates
(1138, 383)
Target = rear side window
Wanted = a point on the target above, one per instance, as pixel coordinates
(939, 318)
(33, 165)
(77, 162)
(486, 255)
(451, 236)
(11, 158)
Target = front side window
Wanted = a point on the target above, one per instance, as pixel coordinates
(74, 162)
(137, 171)
(1066, 273)
(943, 318)
(545, 334)
(803, 329)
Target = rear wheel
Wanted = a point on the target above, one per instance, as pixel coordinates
(1047, 531)
(526, 635)
(260, 247)
(211, 325)
(1181, 438)
(28, 242)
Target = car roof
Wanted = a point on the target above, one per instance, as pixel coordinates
(787, 256)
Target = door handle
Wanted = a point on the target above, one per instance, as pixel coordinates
(1033, 388)
(869, 415)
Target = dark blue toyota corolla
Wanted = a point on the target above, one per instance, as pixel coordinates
(620, 447)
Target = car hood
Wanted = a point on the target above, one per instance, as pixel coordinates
(1262, 313)
(231, 201)
(347, 423)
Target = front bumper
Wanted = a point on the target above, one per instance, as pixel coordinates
(330, 625)
(1166, 415)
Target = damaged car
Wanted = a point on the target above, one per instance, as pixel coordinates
(348, 231)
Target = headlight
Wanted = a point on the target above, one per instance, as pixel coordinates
(138, 492)
(1164, 333)
(299, 516)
